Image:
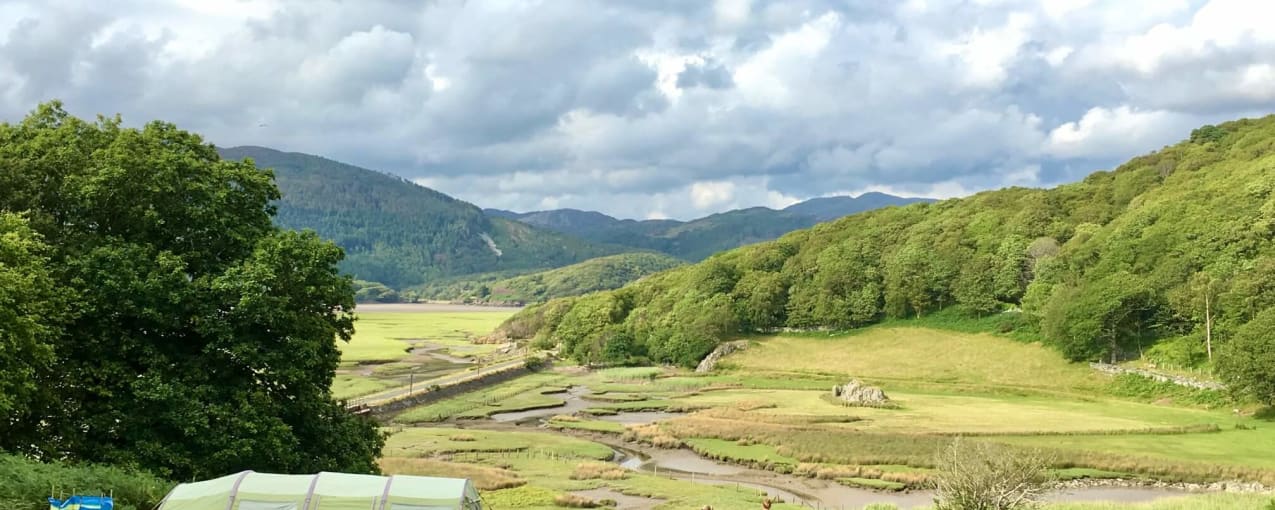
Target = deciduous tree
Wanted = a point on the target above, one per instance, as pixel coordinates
(204, 339)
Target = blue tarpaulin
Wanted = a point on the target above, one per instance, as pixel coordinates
(83, 503)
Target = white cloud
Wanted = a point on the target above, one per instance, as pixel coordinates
(1058, 55)
(1061, 8)
(1104, 132)
(986, 54)
(1218, 26)
(769, 76)
(661, 108)
(706, 195)
(732, 12)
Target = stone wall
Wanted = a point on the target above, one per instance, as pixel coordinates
(1108, 368)
(710, 361)
(386, 410)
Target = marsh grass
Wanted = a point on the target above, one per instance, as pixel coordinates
(429, 442)
(526, 392)
(599, 471)
(572, 422)
(484, 477)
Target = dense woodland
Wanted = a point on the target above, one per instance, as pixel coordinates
(602, 273)
(154, 315)
(401, 234)
(1169, 257)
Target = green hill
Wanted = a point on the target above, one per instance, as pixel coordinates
(696, 239)
(399, 233)
(602, 273)
(1168, 255)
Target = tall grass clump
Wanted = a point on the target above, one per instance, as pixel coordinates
(574, 501)
(599, 471)
(26, 484)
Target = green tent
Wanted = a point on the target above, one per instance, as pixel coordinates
(325, 491)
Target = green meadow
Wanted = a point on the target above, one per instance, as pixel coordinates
(768, 407)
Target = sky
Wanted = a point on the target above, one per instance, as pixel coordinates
(661, 108)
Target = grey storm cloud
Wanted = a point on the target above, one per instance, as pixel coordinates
(661, 108)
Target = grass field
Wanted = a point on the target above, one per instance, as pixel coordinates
(381, 336)
(911, 355)
(768, 407)
(378, 358)
(346, 386)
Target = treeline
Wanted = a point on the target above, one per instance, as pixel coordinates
(1170, 256)
(602, 273)
(402, 234)
(153, 314)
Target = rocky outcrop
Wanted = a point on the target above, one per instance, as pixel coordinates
(859, 394)
(1157, 376)
(710, 361)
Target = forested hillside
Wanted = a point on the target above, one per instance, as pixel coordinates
(1169, 256)
(696, 239)
(602, 273)
(399, 233)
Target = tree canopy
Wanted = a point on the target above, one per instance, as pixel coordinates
(1166, 256)
(199, 338)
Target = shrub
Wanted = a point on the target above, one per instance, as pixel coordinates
(985, 476)
(25, 484)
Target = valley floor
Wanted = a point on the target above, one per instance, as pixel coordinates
(764, 421)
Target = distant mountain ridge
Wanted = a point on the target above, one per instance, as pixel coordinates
(831, 208)
(399, 233)
(697, 239)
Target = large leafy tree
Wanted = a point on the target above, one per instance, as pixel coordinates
(30, 315)
(1246, 361)
(203, 336)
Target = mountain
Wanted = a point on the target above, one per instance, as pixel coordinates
(399, 233)
(602, 273)
(699, 238)
(1169, 257)
(831, 208)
